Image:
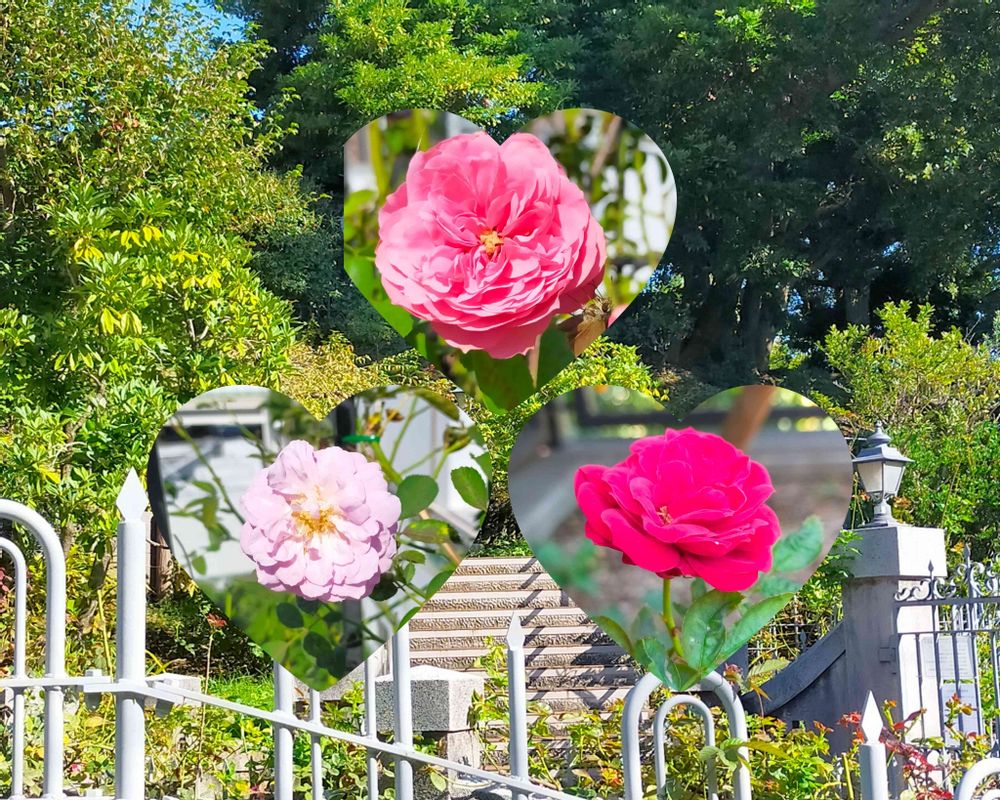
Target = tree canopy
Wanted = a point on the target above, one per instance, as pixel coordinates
(830, 157)
(133, 194)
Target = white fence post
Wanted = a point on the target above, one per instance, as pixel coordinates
(517, 745)
(871, 754)
(371, 728)
(402, 710)
(284, 705)
(55, 640)
(635, 702)
(316, 745)
(20, 568)
(130, 666)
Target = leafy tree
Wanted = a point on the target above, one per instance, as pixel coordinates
(339, 65)
(826, 163)
(372, 58)
(132, 193)
(829, 158)
(939, 398)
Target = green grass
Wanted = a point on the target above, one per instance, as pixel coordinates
(251, 690)
(508, 549)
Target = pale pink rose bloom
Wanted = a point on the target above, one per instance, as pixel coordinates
(320, 523)
(685, 503)
(488, 242)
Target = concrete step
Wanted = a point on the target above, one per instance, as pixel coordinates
(570, 678)
(497, 760)
(499, 566)
(509, 601)
(548, 657)
(575, 678)
(557, 636)
(569, 701)
(558, 726)
(490, 619)
(484, 584)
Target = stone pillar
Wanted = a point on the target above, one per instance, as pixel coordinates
(441, 700)
(880, 656)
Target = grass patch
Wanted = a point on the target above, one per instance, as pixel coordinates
(251, 690)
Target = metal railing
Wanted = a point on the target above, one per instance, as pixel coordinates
(955, 642)
(131, 688)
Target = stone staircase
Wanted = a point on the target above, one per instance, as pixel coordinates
(571, 664)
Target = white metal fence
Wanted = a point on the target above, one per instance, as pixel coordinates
(131, 689)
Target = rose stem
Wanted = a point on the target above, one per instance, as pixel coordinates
(668, 619)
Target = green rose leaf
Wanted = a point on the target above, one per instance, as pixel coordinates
(703, 632)
(799, 549)
(553, 355)
(361, 269)
(773, 585)
(752, 620)
(415, 493)
(504, 383)
(471, 486)
(485, 463)
(429, 531)
(615, 631)
(385, 589)
(289, 615)
(438, 581)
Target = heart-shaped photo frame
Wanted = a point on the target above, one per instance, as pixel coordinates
(681, 538)
(318, 537)
(501, 262)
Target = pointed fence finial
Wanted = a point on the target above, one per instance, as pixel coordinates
(132, 500)
(515, 633)
(871, 720)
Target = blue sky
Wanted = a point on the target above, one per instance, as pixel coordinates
(225, 26)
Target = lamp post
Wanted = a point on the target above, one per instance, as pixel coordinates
(884, 639)
(880, 468)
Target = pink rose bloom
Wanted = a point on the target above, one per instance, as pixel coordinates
(488, 242)
(320, 523)
(683, 504)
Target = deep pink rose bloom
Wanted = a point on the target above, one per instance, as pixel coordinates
(683, 504)
(488, 242)
(320, 523)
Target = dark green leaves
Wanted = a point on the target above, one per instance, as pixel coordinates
(471, 486)
(752, 620)
(703, 632)
(415, 493)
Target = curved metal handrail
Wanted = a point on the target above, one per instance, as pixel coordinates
(20, 568)
(976, 774)
(635, 702)
(659, 740)
(55, 638)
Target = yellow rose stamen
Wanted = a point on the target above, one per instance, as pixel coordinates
(322, 519)
(490, 240)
